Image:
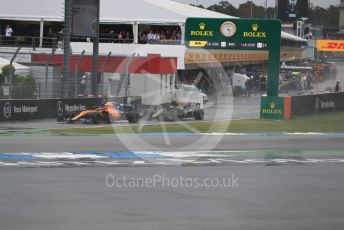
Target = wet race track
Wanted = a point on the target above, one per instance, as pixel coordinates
(253, 197)
(192, 181)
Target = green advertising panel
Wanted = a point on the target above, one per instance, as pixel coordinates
(238, 34)
(272, 108)
(246, 34)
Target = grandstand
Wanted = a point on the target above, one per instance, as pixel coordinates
(39, 23)
(124, 30)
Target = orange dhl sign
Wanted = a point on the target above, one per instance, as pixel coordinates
(330, 45)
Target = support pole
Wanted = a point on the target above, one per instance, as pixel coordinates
(76, 74)
(274, 66)
(11, 62)
(127, 74)
(94, 81)
(136, 32)
(103, 70)
(94, 85)
(266, 9)
(251, 9)
(41, 31)
(182, 30)
(46, 71)
(11, 70)
(67, 30)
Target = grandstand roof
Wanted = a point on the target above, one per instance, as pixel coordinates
(128, 11)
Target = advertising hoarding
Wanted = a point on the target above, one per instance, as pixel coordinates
(238, 34)
(232, 34)
(290, 10)
(85, 18)
(330, 45)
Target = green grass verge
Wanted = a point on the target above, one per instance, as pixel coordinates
(329, 122)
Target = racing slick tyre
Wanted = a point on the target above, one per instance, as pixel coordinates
(69, 119)
(133, 117)
(198, 115)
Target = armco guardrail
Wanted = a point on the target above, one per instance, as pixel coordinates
(317, 103)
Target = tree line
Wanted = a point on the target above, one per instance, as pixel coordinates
(317, 15)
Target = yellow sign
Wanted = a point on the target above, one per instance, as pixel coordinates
(202, 32)
(255, 33)
(202, 26)
(272, 110)
(197, 43)
(330, 45)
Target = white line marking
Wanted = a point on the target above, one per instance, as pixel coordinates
(139, 162)
(255, 161)
(161, 163)
(27, 163)
(215, 161)
(75, 162)
(68, 156)
(178, 160)
(109, 162)
(225, 134)
(165, 134)
(310, 133)
(180, 155)
(8, 164)
(48, 163)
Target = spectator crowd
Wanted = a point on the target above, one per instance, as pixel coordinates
(157, 35)
(152, 36)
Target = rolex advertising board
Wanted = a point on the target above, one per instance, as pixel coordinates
(246, 34)
(238, 34)
(272, 108)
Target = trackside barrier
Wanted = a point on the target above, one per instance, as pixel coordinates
(18, 110)
(288, 107)
(317, 103)
(275, 108)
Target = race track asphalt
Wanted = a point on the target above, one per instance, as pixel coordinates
(260, 197)
(39, 143)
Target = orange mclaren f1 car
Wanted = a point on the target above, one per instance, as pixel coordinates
(108, 112)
